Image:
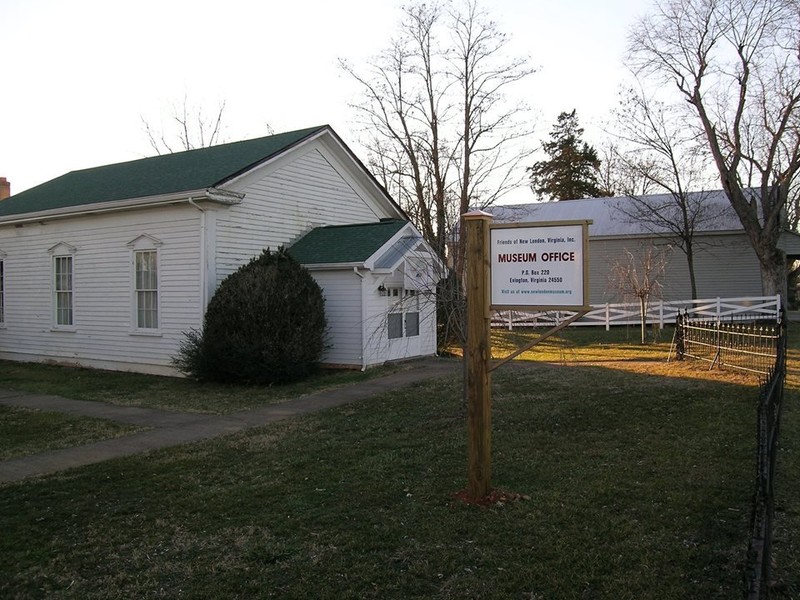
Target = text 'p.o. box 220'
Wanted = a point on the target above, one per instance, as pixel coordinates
(540, 265)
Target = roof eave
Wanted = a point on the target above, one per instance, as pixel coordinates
(650, 234)
(210, 194)
(370, 261)
(369, 178)
(333, 266)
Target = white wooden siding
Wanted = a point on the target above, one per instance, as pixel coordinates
(427, 323)
(789, 242)
(102, 296)
(342, 292)
(379, 347)
(725, 266)
(284, 204)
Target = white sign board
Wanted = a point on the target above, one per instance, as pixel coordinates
(539, 265)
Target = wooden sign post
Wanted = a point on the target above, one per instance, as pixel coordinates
(522, 266)
(478, 352)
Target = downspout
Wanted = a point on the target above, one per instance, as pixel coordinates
(363, 318)
(203, 266)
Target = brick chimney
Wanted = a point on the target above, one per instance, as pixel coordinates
(5, 188)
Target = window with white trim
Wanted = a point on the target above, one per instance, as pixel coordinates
(403, 317)
(412, 324)
(62, 290)
(395, 325)
(146, 288)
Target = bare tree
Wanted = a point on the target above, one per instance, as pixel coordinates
(658, 151)
(190, 128)
(615, 177)
(401, 111)
(736, 63)
(440, 134)
(637, 276)
(489, 162)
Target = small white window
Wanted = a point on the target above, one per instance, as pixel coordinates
(146, 288)
(411, 310)
(403, 318)
(412, 324)
(395, 325)
(62, 290)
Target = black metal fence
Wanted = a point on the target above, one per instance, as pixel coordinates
(750, 346)
(758, 566)
(755, 347)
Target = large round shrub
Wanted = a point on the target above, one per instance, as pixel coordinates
(265, 324)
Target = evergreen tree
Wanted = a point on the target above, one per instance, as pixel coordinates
(572, 170)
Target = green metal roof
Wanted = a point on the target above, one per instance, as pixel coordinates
(155, 176)
(344, 243)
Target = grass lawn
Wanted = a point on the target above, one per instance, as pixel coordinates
(585, 344)
(24, 432)
(625, 479)
(167, 393)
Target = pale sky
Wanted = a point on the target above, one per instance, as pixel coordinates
(78, 76)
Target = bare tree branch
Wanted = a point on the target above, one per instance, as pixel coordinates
(638, 276)
(656, 147)
(737, 65)
(437, 125)
(192, 129)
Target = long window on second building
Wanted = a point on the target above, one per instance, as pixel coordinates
(146, 288)
(62, 273)
(403, 318)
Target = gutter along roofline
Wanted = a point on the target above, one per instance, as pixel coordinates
(215, 195)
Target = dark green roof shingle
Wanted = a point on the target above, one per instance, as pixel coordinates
(344, 243)
(154, 176)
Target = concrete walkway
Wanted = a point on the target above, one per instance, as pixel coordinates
(172, 429)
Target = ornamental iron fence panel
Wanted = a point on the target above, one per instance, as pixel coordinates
(745, 346)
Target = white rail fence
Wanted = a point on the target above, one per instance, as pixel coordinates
(659, 313)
